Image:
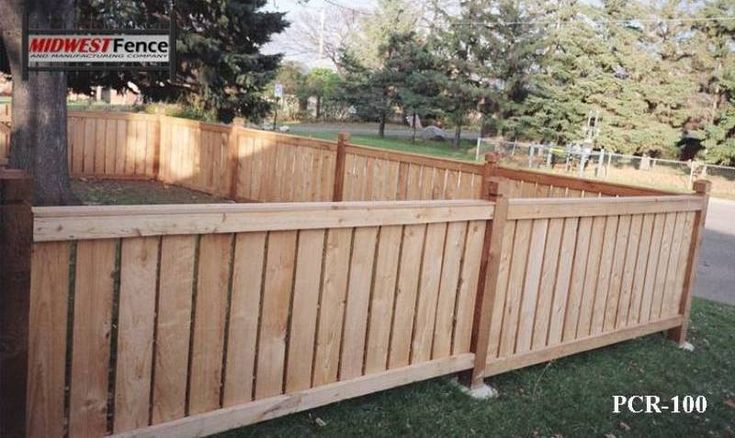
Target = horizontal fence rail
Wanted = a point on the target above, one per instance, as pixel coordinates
(150, 318)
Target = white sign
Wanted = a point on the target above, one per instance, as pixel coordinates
(98, 48)
(278, 91)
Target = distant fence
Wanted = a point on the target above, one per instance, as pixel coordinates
(190, 320)
(255, 165)
(613, 167)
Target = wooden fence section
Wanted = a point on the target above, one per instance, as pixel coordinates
(379, 174)
(189, 320)
(535, 184)
(253, 165)
(576, 274)
(119, 145)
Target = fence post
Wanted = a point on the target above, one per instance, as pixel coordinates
(16, 238)
(339, 169)
(679, 334)
(232, 153)
(494, 190)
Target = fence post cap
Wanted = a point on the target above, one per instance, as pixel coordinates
(343, 137)
(702, 186)
(491, 158)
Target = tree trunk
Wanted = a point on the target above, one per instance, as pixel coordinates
(318, 107)
(413, 138)
(381, 126)
(457, 137)
(39, 135)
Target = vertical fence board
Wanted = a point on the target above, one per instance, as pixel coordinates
(408, 279)
(675, 276)
(592, 272)
(467, 292)
(515, 287)
(547, 282)
(176, 280)
(381, 306)
(247, 274)
(652, 265)
(279, 269)
(576, 287)
(447, 301)
(617, 272)
(47, 339)
(603, 278)
(501, 291)
(529, 298)
(358, 301)
(428, 293)
(138, 272)
(563, 279)
(93, 295)
(640, 269)
(209, 322)
(332, 305)
(663, 264)
(305, 309)
(629, 269)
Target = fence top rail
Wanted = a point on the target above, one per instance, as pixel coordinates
(425, 160)
(118, 115)
(576, 183)
(547, 208)
(102, 222)
(289, 138)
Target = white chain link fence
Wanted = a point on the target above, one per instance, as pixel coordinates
(628, 169)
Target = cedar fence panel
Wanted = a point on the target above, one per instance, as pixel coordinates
(184, 330)
(577, 274)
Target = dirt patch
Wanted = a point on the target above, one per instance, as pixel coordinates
(123, 192)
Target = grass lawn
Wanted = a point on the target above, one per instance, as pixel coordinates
(570, 397)
(466, 150)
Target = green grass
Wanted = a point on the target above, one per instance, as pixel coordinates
(570, 397)
(466, 150)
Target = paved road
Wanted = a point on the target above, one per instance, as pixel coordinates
(716, 270)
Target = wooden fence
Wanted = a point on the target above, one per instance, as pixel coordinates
(252, 165)
(188, 320)
(576, 274)
(178, 311)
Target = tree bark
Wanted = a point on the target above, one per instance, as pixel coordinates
(39, 119)
(413, 137)
(318, 107)
(457, 136)
(381, 126)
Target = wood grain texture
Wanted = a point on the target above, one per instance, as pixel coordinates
(138, 279)
(205, 378)
(47, 339)
(279, 270)
(173, 332)
(332, 306)
(93, 296)
(247, 275)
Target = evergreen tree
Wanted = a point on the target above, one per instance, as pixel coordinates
(220, 68)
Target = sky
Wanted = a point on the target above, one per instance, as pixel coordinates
(292, 8)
